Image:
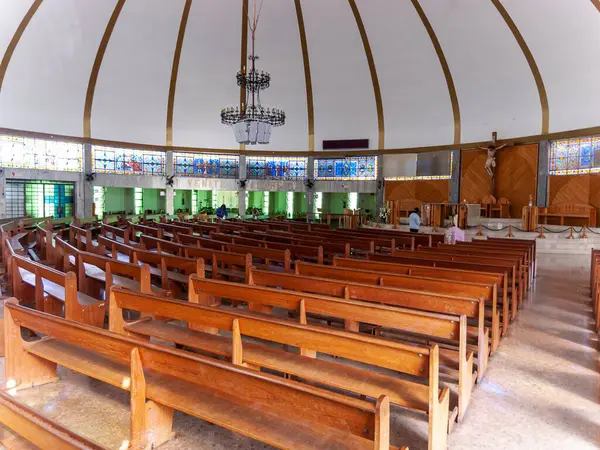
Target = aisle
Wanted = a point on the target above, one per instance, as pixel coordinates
(542, 387)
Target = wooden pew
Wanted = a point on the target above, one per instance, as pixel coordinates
(412, 258)
(145, 230)
(263, 299)
(148, 242)
(297, 252)
(379, 241)
(173, 271)
(286, 414)
(202, 228)
(81, 238)
(34, 429)
(266, 255)
(422, 324)
(228, 264)
(422, 239)
(448, 273)
(99, 272)
(513, 263)
(530, 244)
(54, 292)
(486, 291)
(500, 251)
(171, 229)
(198, 241)
(69, 255)
(116, 234)
(118, 250)
(337, 375)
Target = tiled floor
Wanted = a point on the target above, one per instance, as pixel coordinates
(541, 390)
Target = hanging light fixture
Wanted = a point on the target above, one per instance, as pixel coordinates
(252, 122)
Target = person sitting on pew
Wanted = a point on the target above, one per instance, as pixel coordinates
(222, 212)
(414, 221)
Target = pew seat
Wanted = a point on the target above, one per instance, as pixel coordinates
(285, 414)
(55, 290)
(339, 375)
(197, 400)
(98, 274)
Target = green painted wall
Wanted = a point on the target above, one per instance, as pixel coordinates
(277, 203)
(367, 202)
(152, 200)
(118, 199)
(299, 203)
(182, 200)
(333, 202)
(203, 199)
(256, 199)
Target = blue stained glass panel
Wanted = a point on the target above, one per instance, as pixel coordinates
(127, 161)
(595, 144)
(276, 168)
(350, 168)
(104, 161)
(560, 156)
(205, 165)
(575, 156)
(586, 155)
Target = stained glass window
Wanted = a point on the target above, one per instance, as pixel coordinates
(127, 162)
(39, 198)
(349, 168)
(29, 153)
(276, 168)
(206, 166)
(575, 156)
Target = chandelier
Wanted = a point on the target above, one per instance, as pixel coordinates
(251, 121)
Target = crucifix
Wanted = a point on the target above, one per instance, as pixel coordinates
(490, 163)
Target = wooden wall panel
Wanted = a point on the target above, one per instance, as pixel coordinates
(516, 176)
(581, 189)
(427, 191)
(474, 180)
(569, 189)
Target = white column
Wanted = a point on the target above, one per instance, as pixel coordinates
(84, 190)
(242, 191)
(380, 200)
(169, 169)
(2, 193)
(310, 192)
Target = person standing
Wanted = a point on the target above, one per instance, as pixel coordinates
(414, 221)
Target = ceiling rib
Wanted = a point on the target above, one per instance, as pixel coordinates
(91, 89)
(374, 77)
(445, 68)
(175, 70)
(532, 64)
(307, 77)
(16, 38)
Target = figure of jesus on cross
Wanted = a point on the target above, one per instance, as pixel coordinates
(490, 163)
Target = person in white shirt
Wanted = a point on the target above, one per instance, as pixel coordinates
(414, 221)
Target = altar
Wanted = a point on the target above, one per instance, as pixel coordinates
(441, 214)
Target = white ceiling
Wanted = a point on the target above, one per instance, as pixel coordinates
(46, 80)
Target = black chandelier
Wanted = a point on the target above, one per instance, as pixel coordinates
(252, 122)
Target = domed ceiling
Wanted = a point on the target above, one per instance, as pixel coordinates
(402, 73)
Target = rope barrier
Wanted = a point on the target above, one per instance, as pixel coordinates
(581, 231)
